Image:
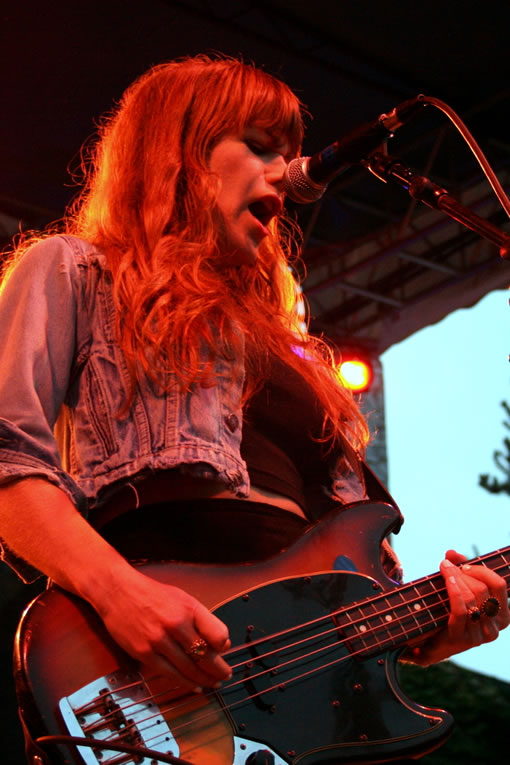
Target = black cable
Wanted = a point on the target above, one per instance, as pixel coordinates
(97, 743)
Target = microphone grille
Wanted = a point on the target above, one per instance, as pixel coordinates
(298, 185)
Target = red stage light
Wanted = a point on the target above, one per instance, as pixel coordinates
(356, 373)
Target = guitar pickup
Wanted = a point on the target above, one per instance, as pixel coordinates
(117, 708)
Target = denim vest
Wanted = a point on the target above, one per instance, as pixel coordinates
(63, 381)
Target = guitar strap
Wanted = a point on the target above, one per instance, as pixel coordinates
(375, 489)
(379, 493)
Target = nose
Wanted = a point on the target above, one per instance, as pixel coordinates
(275, 170)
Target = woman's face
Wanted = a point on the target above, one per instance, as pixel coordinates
(250, 171)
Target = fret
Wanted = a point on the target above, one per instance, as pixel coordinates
(392, 618)
(409, 610)
(385, 621)
(432, 601)
(353, 628)
(498, 561)
(382, 621)
(417, 607)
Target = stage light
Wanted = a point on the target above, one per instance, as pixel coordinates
(356, 372)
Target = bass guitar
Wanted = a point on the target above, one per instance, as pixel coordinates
(315, 632)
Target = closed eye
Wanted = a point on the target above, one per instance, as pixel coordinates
(256, 148)
(261, 142)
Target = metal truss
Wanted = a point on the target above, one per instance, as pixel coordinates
(419, 266)
(277, 24)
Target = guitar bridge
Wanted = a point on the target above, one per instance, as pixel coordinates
(118, 708)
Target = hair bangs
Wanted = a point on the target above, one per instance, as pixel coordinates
(231, 95)
(271, 106)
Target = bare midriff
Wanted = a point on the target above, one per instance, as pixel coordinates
(172, 485)
(270, 497)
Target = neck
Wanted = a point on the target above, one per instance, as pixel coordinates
(392, 619)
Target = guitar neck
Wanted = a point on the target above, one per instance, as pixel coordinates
(392, 619)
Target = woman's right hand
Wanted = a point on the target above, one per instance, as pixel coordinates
(154, 623)
(158, 624)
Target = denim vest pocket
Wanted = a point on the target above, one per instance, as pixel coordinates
(98, 411)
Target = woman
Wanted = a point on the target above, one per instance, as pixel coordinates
(152, 335)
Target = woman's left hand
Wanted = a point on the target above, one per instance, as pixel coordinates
(470, 624)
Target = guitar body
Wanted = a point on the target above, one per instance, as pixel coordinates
(303, 687)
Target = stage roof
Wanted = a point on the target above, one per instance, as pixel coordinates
(379, 265)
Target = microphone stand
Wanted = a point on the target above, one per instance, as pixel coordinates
(385, 167)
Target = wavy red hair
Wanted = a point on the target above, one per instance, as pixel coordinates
(149, 203)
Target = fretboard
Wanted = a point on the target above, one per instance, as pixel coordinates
(395, 617)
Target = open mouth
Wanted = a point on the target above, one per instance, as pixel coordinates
(265, 209)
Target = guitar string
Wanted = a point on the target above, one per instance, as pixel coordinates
(328, 617)
(253, 677)
(384, 595)
(388, 639)
(411, 586)
(204, 717)
(179, 728)
(282, 633)
(236, 649)
(378, 627)
(312, 671)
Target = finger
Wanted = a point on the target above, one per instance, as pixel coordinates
(485, 575)
(214, 631)
(159, 666)
(483, 583)
(210, 660)
(461, 589)
(179, 643)
(462, 601)
(496, 587)
(455, 557)
(207, 669)
(207, 659)
(182, 654)
(214, 666)
(489, 629)
(179, 667)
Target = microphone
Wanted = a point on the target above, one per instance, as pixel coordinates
(306, 178)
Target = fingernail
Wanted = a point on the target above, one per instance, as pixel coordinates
(217, 685)
(447, 563)
(198, 689)
(465, 566)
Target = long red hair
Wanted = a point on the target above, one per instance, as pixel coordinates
(149, 204)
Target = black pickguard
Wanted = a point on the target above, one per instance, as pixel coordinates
(353, 707)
